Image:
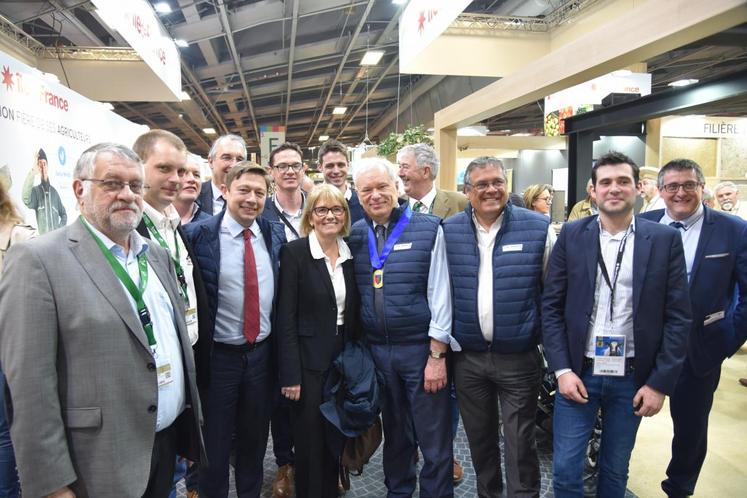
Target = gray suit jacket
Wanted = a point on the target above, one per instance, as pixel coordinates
(82, 379)
(448, 203)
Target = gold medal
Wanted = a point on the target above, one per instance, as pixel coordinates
(378, 279)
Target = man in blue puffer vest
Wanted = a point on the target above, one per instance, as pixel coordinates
(497, 254)
(403, 279)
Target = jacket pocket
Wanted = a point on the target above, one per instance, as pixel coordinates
(83, 418)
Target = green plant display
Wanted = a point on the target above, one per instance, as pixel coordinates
(395, 141)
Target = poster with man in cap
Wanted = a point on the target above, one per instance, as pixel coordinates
(43, 197)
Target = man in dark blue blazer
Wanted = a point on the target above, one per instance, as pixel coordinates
(227, 150)
(613, 279)
(716, 256)
(238, 254)
(334, 165)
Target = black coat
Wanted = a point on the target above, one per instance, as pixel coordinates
(306, 318)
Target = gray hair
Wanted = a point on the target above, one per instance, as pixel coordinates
(87, 161)
(483, 162)
(374, 163)
(724, 185)
(681, 165)
(425, 155)
(707, 194)
(226, 138)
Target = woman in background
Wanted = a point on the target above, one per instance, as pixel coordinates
(539, 198)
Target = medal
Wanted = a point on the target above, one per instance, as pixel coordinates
(378, 279)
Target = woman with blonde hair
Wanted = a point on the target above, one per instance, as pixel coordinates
(317, 312)
(12, 231)
(539, 198)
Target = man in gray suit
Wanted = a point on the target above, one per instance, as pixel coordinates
(95, 348)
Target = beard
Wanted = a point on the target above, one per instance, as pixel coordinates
(727, 205)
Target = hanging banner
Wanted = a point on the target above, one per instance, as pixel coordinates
(269, 138)
(136, 21)
(45, 127)
(704, 127)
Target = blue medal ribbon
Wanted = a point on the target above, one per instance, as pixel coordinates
(377, 260)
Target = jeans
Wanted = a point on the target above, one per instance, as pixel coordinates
(9, 486)
(572, 426)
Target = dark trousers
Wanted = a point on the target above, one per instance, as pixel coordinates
(484, 379)
(407, 406)
(162, 463)
(239, 400)
(689, 406)
(316, 465)
(282, 430)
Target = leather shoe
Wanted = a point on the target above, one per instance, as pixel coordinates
(458, 472)
(743, 382)
(283, 485)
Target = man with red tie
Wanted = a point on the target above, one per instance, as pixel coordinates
(239, 394)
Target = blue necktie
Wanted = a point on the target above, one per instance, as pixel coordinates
(678, 225)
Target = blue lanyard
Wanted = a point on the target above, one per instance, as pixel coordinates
(377, 260)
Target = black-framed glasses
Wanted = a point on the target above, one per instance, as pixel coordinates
(322, 211)
(283, 167)
(483, 186)
(111, 186)
(672, 188)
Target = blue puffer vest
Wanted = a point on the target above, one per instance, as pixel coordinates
(406, 271)
(517, 279)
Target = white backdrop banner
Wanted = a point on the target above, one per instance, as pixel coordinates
(45, 127)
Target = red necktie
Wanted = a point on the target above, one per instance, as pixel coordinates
(251, 291)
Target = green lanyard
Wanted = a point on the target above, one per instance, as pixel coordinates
(177, 263)
(135, 291)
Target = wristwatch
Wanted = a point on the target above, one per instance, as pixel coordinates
(436, 355)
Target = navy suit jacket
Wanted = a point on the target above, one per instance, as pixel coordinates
(661, 306)
(356, 210)
(205, 199)
(718, 283)
(204, 237)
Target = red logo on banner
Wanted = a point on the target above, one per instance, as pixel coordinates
(7, 78)
(430, 13)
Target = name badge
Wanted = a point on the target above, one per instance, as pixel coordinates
(190, 316)
(713, 317)
(402, 246)
(165, 374)
(513, 247)
(609, 355)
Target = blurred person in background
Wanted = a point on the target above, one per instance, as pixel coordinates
(539, 198)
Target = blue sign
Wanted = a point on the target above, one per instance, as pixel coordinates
(62, 155)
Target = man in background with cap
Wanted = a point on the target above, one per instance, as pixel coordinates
(650, 189)
(43, 198)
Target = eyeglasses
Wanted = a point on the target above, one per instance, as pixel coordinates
(283, 167)
(322, 211)
(112, 186)
(483, 186)
(546, 199)
(672, 188)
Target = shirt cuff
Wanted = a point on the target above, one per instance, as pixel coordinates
(437, 333)
(562, 371)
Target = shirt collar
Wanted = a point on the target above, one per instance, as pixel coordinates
(618, 235)
(687, 222)
(217, 194)
(318, 253)
(348, 193)
(235, 229)
(281, 209)
(138, 243)
(169, 219)
(426, 200)
(496, 224)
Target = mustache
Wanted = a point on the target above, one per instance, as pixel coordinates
(125, 205)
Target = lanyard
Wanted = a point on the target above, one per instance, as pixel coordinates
(377, 260)
(618, 263)
(135, 291)
(177, 260)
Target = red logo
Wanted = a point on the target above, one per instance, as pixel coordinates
(7, 78)
(421, 22)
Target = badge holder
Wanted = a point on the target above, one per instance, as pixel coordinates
(609, 355)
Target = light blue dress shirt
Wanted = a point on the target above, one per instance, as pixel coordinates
(690, 234)
(229, 320)
(171, 397)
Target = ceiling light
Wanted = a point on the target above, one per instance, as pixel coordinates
(323, 138)
(372, 57)
(208, 131)
(684, 82)
(181, 42)
(339, 110)
(184, 96)
(162, 8)
(108, 106)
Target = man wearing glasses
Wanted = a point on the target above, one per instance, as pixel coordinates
(227, 150)
(716, 258)
(286, 204)
(497, 255)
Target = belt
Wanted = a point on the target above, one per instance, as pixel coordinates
(629, 364)
(239, 348)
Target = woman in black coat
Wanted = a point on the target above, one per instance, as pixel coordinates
(317, 309)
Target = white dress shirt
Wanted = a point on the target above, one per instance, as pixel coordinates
(690, 234)
(218, 201)
(166, 225)
(486, 245)
(171, 396)
(229, 319)
(335, 274)
(426, 201)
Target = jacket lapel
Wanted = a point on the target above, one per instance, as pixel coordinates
(321, 268)
(89, 256)
(591, 246)
(706, 231)
(641, 253)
